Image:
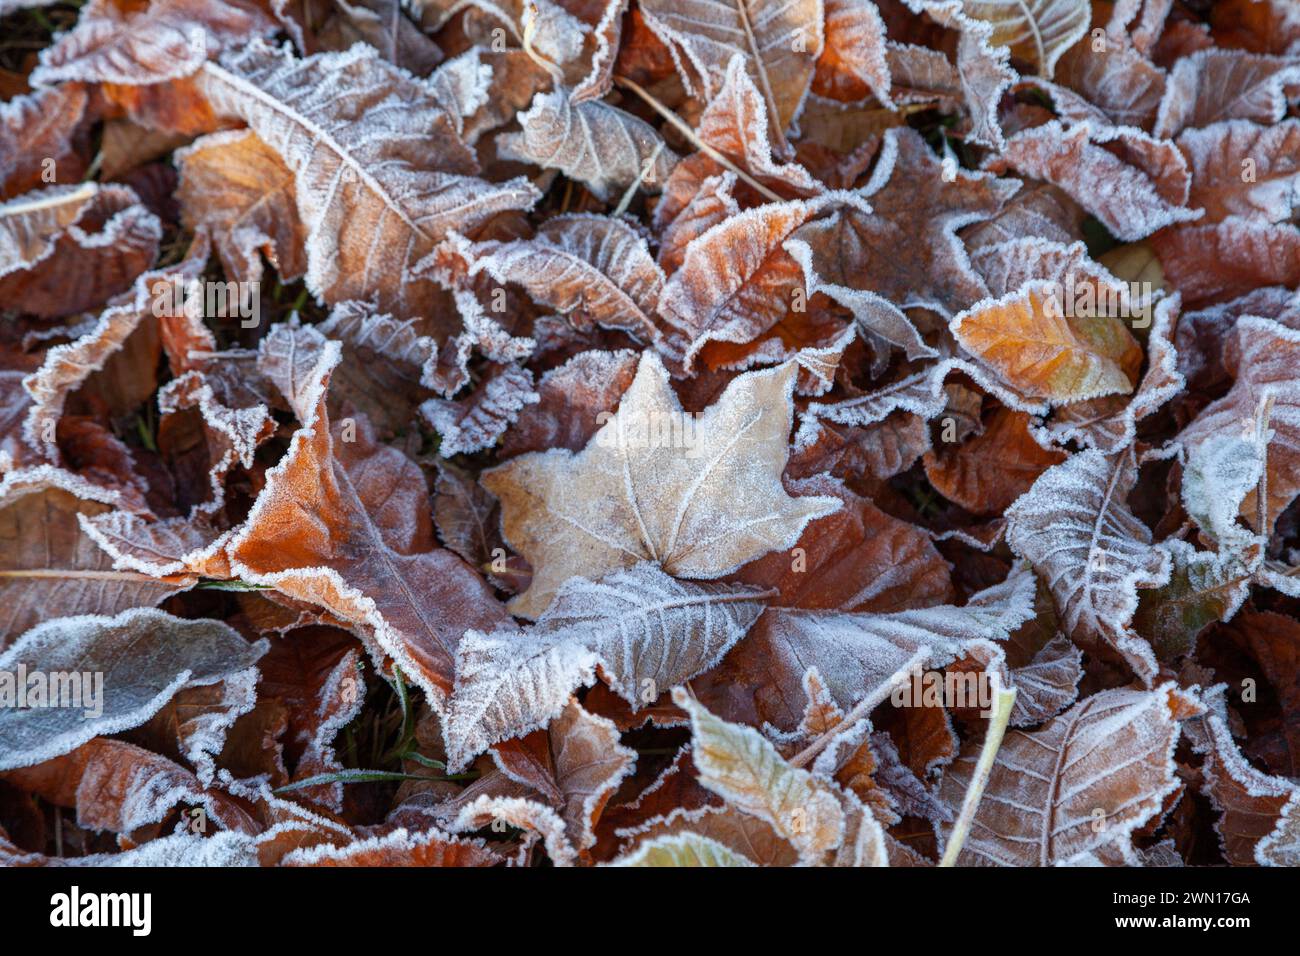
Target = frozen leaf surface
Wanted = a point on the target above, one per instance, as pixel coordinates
(132, 664)
(699, 497)
(372, 210)
(1108, 759)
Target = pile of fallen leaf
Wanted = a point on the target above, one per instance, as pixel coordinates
(592, 431)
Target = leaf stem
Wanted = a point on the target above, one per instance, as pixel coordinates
(641, 177)
(369, 776)
(529, 17)
(1003, 700)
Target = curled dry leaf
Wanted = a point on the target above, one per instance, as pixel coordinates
(579, 763)
(988, 472)
(779, 42)
(736, 280)
(1037, 31)
(1041, 349)
(1259, 356)
(592, 269)
(49, 566)
(1213, 85)
(161, 40)
(100, 237)
(1133, 183)
(40, 129)
(479, 420)
(1257, 822)
(370, 559)
(239, 188)
(853, 62)
(1074, 525)
(599, 145)
(645, 630)
(371, 211)
(738, 764)
(116, 359)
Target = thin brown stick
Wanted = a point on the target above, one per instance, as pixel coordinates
(684, 128)
(774, 118)
(1262, 415)
(860, 710)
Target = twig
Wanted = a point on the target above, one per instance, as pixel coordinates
(1262, 415)
(773, 117)
(684, 128)
(861, 709)
(645, 171)
(1003, 700)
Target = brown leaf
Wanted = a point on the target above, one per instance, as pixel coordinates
(135, 44)
(396, 207)
(236, 186)
(1119, 81)
(986, 473)
(906, 250)
(1241, 169)
(1256, 825)
(114, 362)
(1088, 778)
(1260, 356)
(1213, 85)
(735, 124)
(578, 763)
(347, 525)
(1217, 262)
(857, 559)
(852, 63)
(601, 146)
(124, 789)
(48, 565)
(398, 848)
(736, 280)
(780, 45)
(39, 135)
(1041, 349)
(1074, 525)
(572, 398)
(69, 248)
(1133, 183)
(592, 269)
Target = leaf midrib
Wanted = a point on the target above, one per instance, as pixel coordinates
(319, 134)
